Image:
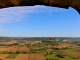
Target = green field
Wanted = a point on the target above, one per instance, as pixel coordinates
(1, 52)
(67, 59)
(51, 56)
(41, 52)
(11, 56)
(72, 50)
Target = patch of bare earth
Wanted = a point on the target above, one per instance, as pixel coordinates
(13, 48)
(3, 56)
(73, 55)
(30, 57)
(36, 57)
(22, 57)
(24, 48)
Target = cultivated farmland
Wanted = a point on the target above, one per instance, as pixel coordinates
(22, 57)
(50, 49)
(3, 56)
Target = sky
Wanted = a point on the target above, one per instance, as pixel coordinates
(39, 21)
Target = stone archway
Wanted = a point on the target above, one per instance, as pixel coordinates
(53, 3)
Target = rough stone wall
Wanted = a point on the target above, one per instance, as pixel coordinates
(76, 5)
(54, 3)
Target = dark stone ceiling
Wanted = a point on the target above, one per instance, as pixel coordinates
(53, 3)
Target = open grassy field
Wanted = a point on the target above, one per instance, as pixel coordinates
(41, 51)
(67, 59)
(1, 52)
(51, 56)
(72, 50)
(11, 56)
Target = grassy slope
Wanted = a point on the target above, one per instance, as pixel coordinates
(71, 50)
(51, 56)
(67, 59)
(11, 56)
(1, 52)
(42, 52)
(54, 56)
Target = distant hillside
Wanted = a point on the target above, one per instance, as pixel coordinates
(40, 38)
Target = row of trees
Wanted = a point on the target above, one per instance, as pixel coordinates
(14, 44)
(17, 52)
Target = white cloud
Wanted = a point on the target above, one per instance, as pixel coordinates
(14, 14)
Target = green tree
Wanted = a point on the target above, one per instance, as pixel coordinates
(17, 52)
